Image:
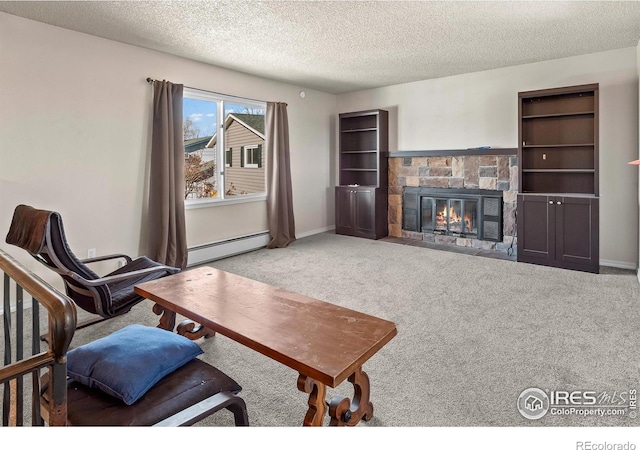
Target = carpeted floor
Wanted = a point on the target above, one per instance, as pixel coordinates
(473, 333)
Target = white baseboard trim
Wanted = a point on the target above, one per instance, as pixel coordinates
(234, 246)
(317, 231)
(618, 264)
(227, 247)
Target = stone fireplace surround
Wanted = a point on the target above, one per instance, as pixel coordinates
(490, 169)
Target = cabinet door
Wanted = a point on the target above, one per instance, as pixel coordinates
(344, 210)
(536, 228)
(577, 232)
(365, 212)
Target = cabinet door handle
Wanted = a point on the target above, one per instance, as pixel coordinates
(558, 203)
(551, 202)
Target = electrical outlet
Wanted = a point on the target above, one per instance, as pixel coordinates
(91, 253)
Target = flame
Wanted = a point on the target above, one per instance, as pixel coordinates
(454, 219)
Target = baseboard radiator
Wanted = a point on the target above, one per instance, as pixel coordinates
(234, 246)
(227, 247)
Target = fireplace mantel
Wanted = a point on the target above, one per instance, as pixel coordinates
(454, 152)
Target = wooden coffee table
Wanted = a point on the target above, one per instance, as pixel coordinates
(326, 344)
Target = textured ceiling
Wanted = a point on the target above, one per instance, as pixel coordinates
(341, 46)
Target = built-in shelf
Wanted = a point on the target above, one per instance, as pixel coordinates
(569, 114)
(361, 197)
(558, 170)
(363, 148)
(360, 170)
(557, 145)
(552, 158)
(358, 130)
(562, 194)
(360, 151)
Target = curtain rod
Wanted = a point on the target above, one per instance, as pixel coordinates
(151, 81)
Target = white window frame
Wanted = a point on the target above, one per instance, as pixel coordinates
(221, 99)
(246, 153)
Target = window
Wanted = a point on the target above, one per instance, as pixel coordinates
(252, 156)
(228, 158)
(218, 129)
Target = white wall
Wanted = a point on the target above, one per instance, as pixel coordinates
(75, 134)
(481, 108)
(638, 152)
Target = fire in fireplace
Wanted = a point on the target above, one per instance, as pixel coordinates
(450, 216)
(455, 212)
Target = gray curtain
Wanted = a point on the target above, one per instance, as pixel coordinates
(282, 229)
(167, 234)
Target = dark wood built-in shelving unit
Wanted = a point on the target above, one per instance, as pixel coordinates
(361, 197)
(558, 165)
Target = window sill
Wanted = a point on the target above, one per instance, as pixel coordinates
(206, 203)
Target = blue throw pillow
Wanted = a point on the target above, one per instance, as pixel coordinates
(128, 362)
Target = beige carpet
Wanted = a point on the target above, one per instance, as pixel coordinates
(473, 333)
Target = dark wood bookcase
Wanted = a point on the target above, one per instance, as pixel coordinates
(361, 196)
(558, 171)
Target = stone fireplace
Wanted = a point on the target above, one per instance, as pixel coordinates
(460, 197)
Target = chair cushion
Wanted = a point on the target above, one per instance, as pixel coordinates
(122, 294)
(128, 362)
(186, 386)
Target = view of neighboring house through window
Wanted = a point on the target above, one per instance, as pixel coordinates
(237, 140)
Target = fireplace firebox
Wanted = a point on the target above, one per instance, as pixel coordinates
(452, 216)
(467, 213)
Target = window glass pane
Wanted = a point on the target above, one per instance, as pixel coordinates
(427, 214)
(224, 146)
(228, 158)
(200, 158)
(455, 216)
(471, 217)
(442, 214)
(244, 130)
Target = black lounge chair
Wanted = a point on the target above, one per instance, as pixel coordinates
(41, 233)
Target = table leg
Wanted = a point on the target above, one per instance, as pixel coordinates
(167, 319)
(186, 328)
(193, 331)
(317, 405)
(344, 411)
